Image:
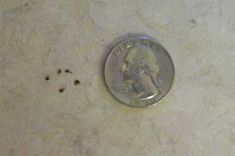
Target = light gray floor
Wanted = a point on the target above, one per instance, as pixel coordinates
(38, 37)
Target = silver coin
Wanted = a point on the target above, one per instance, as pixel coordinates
(139, 71)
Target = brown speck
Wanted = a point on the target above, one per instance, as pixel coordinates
(193, 21)
(61, 90)
(47, 78)
(76, 82)
(26, 4)
(59, 71)
(68, 71)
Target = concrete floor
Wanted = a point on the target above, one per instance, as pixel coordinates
(37, 118)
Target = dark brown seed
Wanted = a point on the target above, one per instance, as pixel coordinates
(76, 82)
(47, 78)
(61, 90)
(68, 71)
(59, 71)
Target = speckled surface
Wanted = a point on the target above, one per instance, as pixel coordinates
(197, 117)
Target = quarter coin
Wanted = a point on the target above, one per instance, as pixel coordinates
(139, 71)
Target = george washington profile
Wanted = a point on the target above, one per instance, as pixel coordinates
(140, 72)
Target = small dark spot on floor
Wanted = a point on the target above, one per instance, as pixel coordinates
(47, 78)
(76, 82)
(103, 40)
(68, 71)
(59, 71)
(193, 21)
(26, 7)
(61, 90)
(26, 4)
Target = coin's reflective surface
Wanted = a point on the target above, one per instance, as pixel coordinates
(139, 71)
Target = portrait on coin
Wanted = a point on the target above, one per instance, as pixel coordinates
(140, 71)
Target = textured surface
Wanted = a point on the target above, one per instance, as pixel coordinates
(197, 118)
